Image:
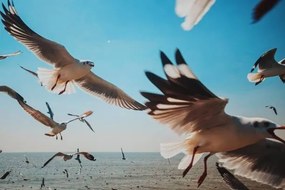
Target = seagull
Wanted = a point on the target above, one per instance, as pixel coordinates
(57, 128)
(5, 175)
(43, 183)
(27, 160)
(9, 55)
(66, 173)
(69, 156)
(123, 155)
(184, 105)
(194, 10)
(82, 118)
(78, 158)
(67, 70)
(267, 67)
(273, 108)
(263, 7)
(230, 179)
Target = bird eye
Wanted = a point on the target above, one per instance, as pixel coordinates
(255, 124)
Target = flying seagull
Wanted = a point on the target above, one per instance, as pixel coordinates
(9, 55)
(69, 156)
(194, 10)
(184, 105)
(66, 173)
(267, 67)
(82, 118)
(123, 155)
(43, 183)
(263, 7)
(57, 128)
(27, 160)
(273, 108)
(5, 175)
(230, 179)
(78, 158)
(67, 70)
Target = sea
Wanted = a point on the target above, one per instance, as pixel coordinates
(109, 171)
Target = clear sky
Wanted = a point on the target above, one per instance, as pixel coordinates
(123, 38)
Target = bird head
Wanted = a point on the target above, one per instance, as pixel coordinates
(88, 63)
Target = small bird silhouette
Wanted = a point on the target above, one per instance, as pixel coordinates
(273, 108)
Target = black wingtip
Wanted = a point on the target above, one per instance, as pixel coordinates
(179, 58)
(164, 59)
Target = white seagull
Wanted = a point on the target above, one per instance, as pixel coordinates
(57, 128)
(67, 70)
(82, 118)
(9, 55)
(189, 108)
(267, 67)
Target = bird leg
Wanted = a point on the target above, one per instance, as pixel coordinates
(55, 82)
(191, 163)
(60, 136)
(64, 88)
(203, 176)
(56, 137)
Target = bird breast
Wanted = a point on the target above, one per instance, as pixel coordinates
(73, 71)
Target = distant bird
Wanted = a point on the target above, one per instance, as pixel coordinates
(0, 151)
(230, 179)
(27, 160)
(32, 72)
(267, 67)
(9, 55)
(78, 158)
(66, 173)
(67, 70)
(57, 128)
(184, 105)
(263, 7)
(69, 156)
(5, 175)
(194, 10)
(43, 183)
(273, 108)
(123, 155)
(82, 118)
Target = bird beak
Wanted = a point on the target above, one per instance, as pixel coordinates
(92, 64)
(271, 131)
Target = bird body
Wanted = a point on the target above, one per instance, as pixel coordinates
(189, 108)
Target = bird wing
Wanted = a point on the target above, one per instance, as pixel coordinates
(87, 155)
(230, 179)
(9, 55)
(262, 162)
(192, 10)
(5, 175)
(265, 61)
(263, 7)
(12, 93)
(186, 104)
(123, 155)
(57, 154)
(107, 91)
(39, 116)
(49, 111)
(88, 124)
(29, 71)
(47, 50)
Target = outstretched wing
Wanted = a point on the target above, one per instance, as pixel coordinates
(9, 55)
(47, 50)
(97, 86)
(263, 7)
(185, 101)
(265, 61)
(57, 154)
(87, 155)
(12, 93)
(262, 162)
(49, 111)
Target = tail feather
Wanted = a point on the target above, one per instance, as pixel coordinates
(48, 79)
(168, 150)
(254, 77)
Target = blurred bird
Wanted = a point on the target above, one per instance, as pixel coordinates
(267, 67)
(67, 69)
(66, 173)
(5, 175)
(69, 156)
(123, 155)
(9, 55)
(184, 106)
(43, 183)
(27, 160)
(82, 118)
(273, 108)
(57, 128)
(263, 7)
(78, 158)
(230, 179)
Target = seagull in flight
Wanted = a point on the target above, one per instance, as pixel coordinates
(267, 67)
(123, 155)
(82, 118)
(67, 69)
(184, 106)
(9, 55)
(230, 179)
(69, 156)
(273, 108)
(5, 175)
(57, 128)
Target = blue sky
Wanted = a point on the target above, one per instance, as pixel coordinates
(124, 38)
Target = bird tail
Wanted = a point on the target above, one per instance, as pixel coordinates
(48, 78)
(168, 150)
(254, 77)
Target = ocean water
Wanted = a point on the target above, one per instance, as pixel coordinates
(109, 171)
